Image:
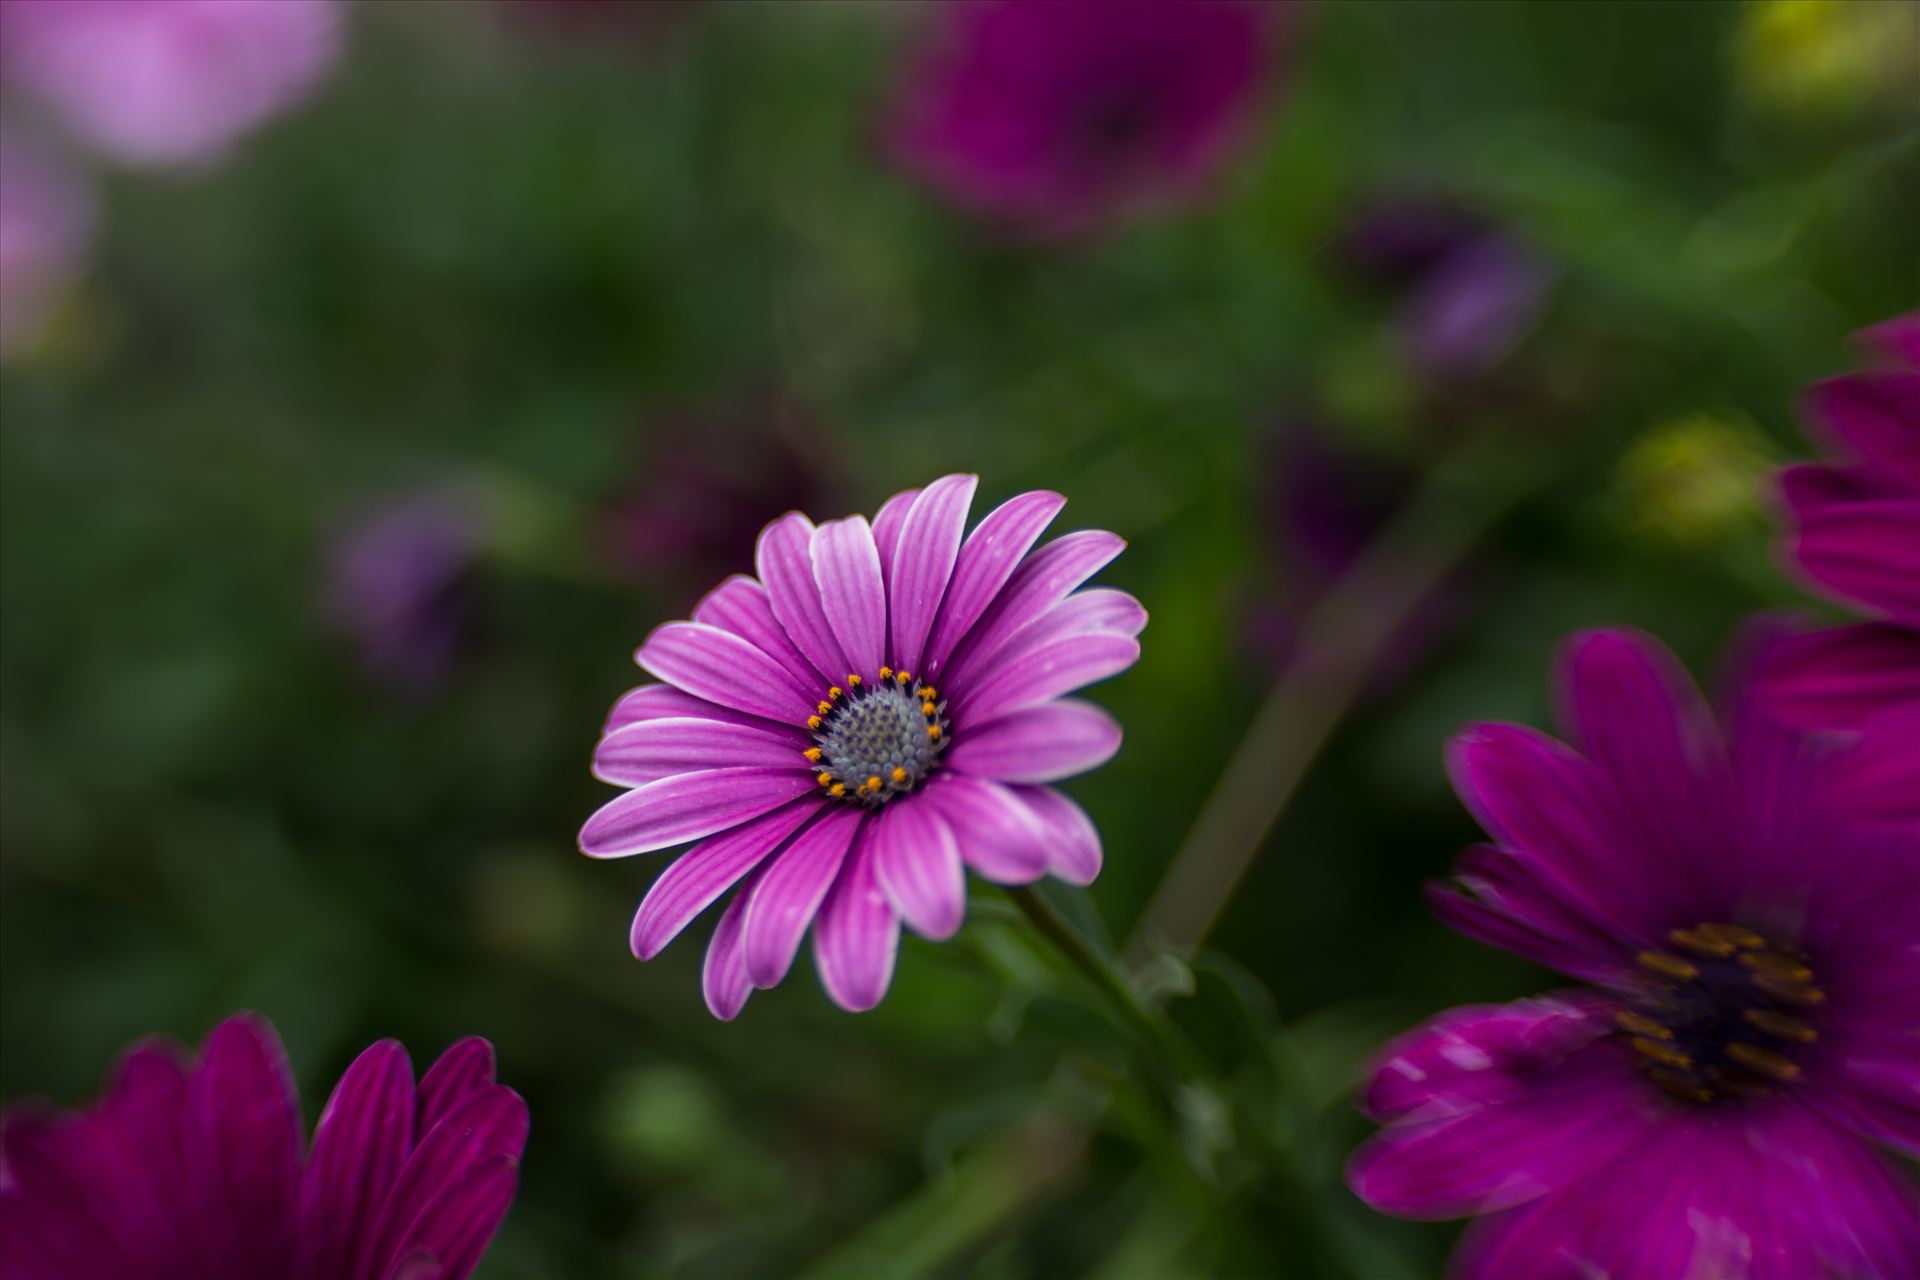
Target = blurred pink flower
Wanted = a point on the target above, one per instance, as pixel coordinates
(880, 709)
(396, 585)
(167, 82)
(46, 216)
(1055, 115)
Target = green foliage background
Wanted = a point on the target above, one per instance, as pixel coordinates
(505, 251)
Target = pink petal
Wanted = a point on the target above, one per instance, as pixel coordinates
(1877, 415)
(1042, 581)
(686, 807)
(452, 1231)
(918, 866)
(886, 527)
(1897, 339)
(699, 876)
(846, 568)
(488, 1128)
(786, 897)
(464, 1069)
(363, 1138)
(857, 934)
(1048, 672)
(1098, 609)
(996, 832)
(988, 558)
(655, 749)
(721, 667)
(1072, 841)
(784, 561)
(244, 1144)
(923, 563)
(1040, 744)
(741, 605)
(664, 702)
(723, 976)
(1838, 676)
(1868, 553)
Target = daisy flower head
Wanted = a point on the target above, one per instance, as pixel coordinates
(194, 1166)
(880, 708)
(1710, 1101)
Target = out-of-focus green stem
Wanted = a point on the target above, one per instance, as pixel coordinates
(1179, 1052)
(1346, 637)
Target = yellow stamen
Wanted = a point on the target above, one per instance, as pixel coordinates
(928, 710)
(837, 790)
(1733, 933)
(886, 673)
(824, 778)
(1701, 943)
(853, 679)
(903, 678)
(1779, 1024)
(873, 783)
(1792, 992)
(833, 694)
(813, 722)
(928, 694)
(1671, 966)
(812, 753)
(899, 774)
(824, 708)
(1785, 968)
(1664, 1054)
(1765, 1061)
(1681, 1086)
(933, 731)
(1641, 1025)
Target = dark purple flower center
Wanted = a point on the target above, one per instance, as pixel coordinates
(875, 742)
(1721, 1015)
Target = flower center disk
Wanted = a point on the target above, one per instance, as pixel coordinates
(876, 741)
(1722, 1014)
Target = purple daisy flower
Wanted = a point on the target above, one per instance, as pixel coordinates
(1057, 114)
(167, 82)
(194, 1168)
(881, 708)
(1857, 537)
(1708, 1105)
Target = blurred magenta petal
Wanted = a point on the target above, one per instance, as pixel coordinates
(397, 585)
(1055, 115)
(198, 1171)
(862, 807)
(168, 82)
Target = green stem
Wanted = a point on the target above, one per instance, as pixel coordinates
(1106, 975)
(1346, 637)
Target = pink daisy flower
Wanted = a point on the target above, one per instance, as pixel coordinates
(880, 708)
(1857, 537)
(194, 1168)
(1709, 1104)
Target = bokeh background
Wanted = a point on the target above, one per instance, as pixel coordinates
(342, 471)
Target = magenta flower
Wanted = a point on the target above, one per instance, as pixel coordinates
(46, 217)
(167, 82)
(1054, 115)
(1857, 537)
(195, 1168)
(1708, 1104)
(880, 708)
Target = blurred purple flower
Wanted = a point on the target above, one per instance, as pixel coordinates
(1468, 292)
(1055, 115)
(167, 82)
(1709, 1104)
(195, 1168)
(702, 487)
(799, 734)
(1324, 505)
(46, 217)
(1857, 536)
(397, 585)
